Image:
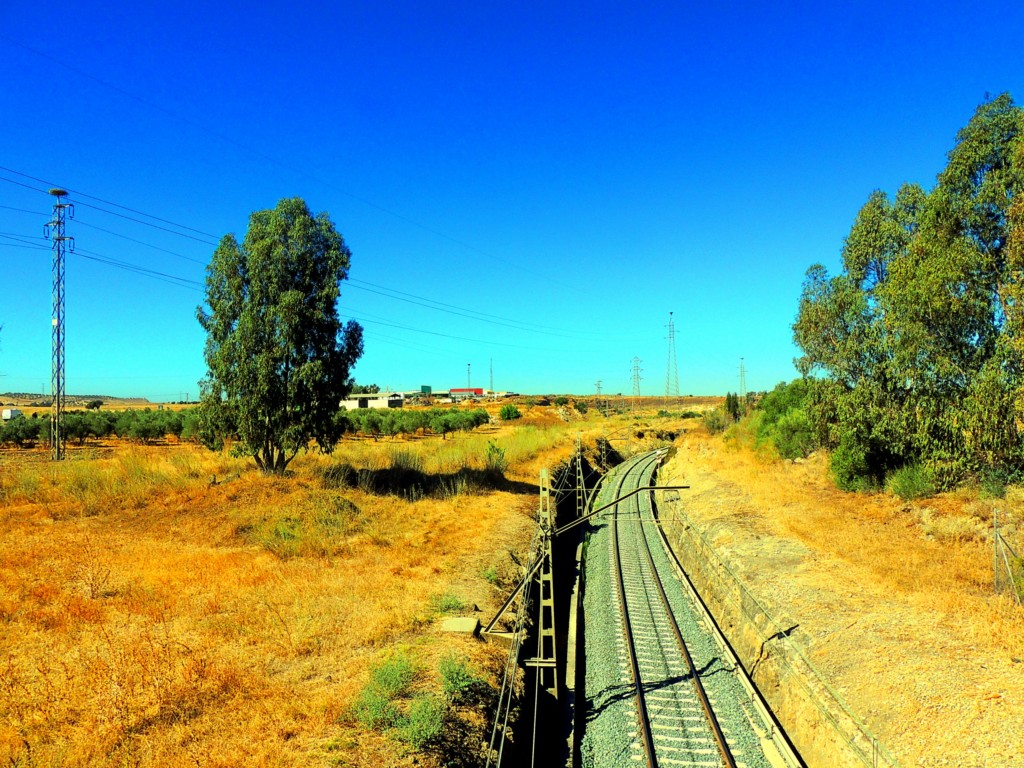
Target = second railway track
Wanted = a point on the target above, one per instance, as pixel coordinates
(659, 690)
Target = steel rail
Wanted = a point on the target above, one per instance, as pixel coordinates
(716, 729)
(641, 704)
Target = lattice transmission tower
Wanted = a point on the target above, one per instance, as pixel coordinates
(54, 230)
(743, 380)
(672, 373)
(636, 379)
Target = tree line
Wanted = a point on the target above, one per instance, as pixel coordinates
(375, 422)
(147, 425)
(913, 354)
(143, 426)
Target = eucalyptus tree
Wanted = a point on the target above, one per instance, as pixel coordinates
(915, 349)
(277, 353)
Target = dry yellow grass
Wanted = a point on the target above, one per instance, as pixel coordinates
(148, 620)
(894, 599)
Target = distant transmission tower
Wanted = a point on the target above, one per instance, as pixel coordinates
(468, 385)
(636, 380)
(492, 375)
(61, 243)
(743, 380)
(597, 386)
(672, 373)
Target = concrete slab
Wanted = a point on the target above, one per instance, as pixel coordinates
(463, 625)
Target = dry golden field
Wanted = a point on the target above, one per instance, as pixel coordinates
(168, 606)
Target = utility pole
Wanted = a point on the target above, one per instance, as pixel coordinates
(636, 381)
(672, 372)
(468, 386)
(743, 381)
(54, 231)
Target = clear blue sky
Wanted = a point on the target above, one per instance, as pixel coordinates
(573, 171)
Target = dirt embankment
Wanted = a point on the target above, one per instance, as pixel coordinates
(893, 601)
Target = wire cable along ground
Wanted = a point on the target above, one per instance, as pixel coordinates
(658, 690)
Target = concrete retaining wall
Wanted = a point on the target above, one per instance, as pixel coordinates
(820, 726)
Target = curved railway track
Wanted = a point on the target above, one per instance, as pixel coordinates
(661, 704)
(654, 644)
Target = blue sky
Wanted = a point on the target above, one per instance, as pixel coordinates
(564, 174)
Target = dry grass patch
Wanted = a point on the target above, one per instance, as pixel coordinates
(153, 618)
(894, 600)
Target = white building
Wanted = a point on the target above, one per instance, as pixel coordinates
(376, 400)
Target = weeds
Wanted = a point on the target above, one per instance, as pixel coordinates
(386, 704)
(496, 463)
(446, 603)
(457, 679)
(321, 525)
(424, 722)
(911, 482)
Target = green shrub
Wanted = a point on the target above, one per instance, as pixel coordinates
(446, 603)
(424, 722)
(716, 420)
(993, 484)
(561, 400)
(374, 710)
(457, 679)
(497, 464)
(509, 412)
(850, 468)
(581, 406)
(793, 435)
(394, 676)
(911, 482)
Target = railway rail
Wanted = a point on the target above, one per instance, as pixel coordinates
(659, 690)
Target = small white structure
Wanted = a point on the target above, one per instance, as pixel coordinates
(376, 400)
(11, 413)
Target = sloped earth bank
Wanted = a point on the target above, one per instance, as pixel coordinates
(892, 601)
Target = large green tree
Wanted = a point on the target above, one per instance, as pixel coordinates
(277, 354)
(918, 342)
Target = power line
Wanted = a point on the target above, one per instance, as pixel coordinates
(22, 210)
(140, 242)
(453, 306)
(183, 282)
(102, 259)
(364, 315)
(460, 312)
(109, 202)
(147, 224)
(257, 153)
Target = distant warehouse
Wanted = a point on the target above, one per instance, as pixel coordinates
(377, 400)
(465, 393)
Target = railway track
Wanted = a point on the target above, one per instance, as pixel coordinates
(660, 691)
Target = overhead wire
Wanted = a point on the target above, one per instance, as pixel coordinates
(90, 255)
(80, 223)
(183, 282)
(109, 202)
(355, 281)
(364, 315)
(206, 239)
(268, 158)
